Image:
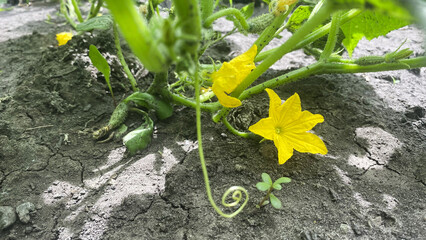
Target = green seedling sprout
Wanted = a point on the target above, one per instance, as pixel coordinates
(102, 65)
(268, 186)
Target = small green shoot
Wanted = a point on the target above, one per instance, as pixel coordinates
(268, 186)
(102, 65)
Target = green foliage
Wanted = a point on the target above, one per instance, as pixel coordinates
(299, 16)
(135, 30)
(104, 22)
(99, 61)
(267, 179)
(369, 24)
(275, 202)
(175, 44)
(269, 186)
(101, 64)
(248, 10)
(162, 108)
(139, 138)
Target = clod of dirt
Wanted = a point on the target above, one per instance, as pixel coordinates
(416, 113)
(7, 217)
(24, 210)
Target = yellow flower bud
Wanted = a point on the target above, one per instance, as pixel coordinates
(63, 38)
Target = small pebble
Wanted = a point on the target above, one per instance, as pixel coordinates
(24, 210)
(345, 228)
(7, 217)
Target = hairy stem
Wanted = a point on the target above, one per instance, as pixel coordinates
(315, 35)
(63, 9)
(235, 131)
(206, 8)
(229, 11)
(95, 11)
(77, 11)
(270, 32)
(332, 36)
(123, 61)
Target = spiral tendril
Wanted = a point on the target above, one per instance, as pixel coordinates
(237, 191)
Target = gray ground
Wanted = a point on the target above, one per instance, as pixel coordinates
(371, 185)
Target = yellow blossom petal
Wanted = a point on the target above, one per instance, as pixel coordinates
(290, 111)
(285, 150)
(274, 101)
(230, 75)
(225, 99)
(287, 126)
(305, 122)
(63, 38)
(263, 128)
(306, 142)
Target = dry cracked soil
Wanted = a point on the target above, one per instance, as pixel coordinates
(64, 185)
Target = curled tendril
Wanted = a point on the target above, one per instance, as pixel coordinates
(237, 191)
(237, 195)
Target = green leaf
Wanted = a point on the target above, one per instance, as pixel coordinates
(139, 138)
(275, 202)
(99, 61)
(276, 186)
(267, 179)
(391, 7)
(262, 186)
(162, 108)
(369, 24)
(299, 16)
(104, 22)
(282, 180)
(247, 10)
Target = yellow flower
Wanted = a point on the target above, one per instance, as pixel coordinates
(230, 75)
(63, 38)
(287, 126)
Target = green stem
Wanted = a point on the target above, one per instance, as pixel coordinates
(206, 8)
(315, 35)
(322, 14)
(237, 192)
(63, 9)
(159, 83)
(122, 61)
(332, 36)
(92, 8)
(333, 67)
(235, 131)
(229, 11)
(208, 107)
(77, 11)
(283, 79)
(96, 10)
(266, 197)
(270, 32)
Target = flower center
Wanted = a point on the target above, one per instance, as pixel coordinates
(277, 130)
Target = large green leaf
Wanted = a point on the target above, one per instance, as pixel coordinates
(369, 24)
(104, 22)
